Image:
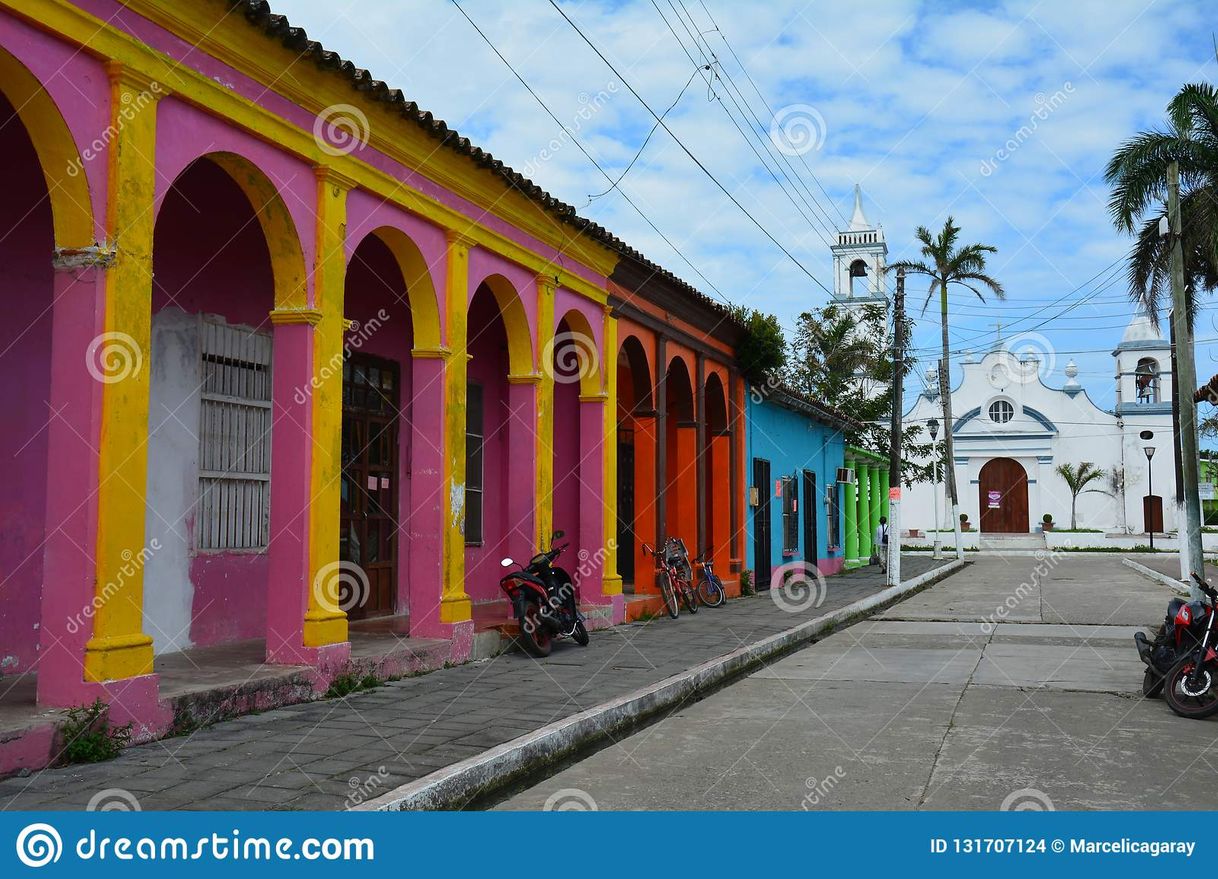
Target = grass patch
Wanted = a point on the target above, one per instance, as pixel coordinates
(346, 684)
(88, 736)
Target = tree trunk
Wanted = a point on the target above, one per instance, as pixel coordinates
(945, 393)
(1073, 514)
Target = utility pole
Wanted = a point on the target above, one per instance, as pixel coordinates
(1185, 563)
(894, 446)
(1186, 381)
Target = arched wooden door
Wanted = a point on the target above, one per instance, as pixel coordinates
(1004, 497)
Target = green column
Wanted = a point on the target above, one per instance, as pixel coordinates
(850, 511)
(864, 474)
(878, 502)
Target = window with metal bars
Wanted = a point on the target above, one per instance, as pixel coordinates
(233, 512)
(790, 515)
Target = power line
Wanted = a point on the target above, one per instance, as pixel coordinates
(687, 151)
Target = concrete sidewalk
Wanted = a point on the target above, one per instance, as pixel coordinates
(336, 753)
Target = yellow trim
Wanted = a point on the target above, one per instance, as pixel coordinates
(437, 353)
(455, 605)
(118, 647)
(62, 166)
(611, 581)
(324, 623)
(515, 324)
(420, 291)
(599, 397)
(590, 378)
(543, 446)
(310, 316)
(532, 378)
(236, 43)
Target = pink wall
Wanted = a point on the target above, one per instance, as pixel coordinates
(26, 245)
(209, 256)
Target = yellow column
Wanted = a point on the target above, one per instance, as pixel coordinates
(611, 581)
(325, 622)
(455, 605)
(544, 498)
(119, 648)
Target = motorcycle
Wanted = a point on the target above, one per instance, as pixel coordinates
(1191, 687)
(543, 600)
(1183, 628)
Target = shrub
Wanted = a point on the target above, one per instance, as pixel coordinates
(88, 736)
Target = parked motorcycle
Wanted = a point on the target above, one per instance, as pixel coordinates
(1183, 628)
(543, 599)
(1191, 687)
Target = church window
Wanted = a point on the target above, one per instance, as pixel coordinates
(1001, 411)
(1146, 380)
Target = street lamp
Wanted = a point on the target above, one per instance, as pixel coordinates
(1150, 491)
(933, 426)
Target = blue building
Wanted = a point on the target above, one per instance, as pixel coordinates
(794, 450)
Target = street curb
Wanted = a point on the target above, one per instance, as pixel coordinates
(1157, 576)
(455, 785)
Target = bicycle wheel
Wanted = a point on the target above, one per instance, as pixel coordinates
(688, 596)
(669, 591)
(711, 591)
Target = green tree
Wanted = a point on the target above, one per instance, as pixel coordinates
(947, 263)
(762, 349)
(1077, 479)
(1137, 173)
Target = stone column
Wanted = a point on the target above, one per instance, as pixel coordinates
(544, 453)
(611, 580)
(864, 520)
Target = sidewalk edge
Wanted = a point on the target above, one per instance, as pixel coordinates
(1157, 576)
(455, 785)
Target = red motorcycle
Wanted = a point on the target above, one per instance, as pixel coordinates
(1191, 687)
(543, 600)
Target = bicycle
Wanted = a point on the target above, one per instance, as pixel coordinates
(676, 557)
(710, 588)
(667, 590)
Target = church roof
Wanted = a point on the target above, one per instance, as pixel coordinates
(858, 222)
(1141, 329)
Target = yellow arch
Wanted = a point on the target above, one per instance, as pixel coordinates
(420, 289)
(590, 381)
(516, 323)
(278, 228)
(71, 208)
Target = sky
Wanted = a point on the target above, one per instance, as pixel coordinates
(1001, 115)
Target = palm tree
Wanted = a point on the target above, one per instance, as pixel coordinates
(1138, 175)
(946, 264)
(1077, 480)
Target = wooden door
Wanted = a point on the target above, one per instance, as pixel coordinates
(625, 504)
(762, 523)
(368, 517)
(1003, 496)
(810, 505)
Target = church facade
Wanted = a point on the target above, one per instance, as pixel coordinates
(1014, 426)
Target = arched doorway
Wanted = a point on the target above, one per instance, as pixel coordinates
(636, 465)
(717, 474)
(1003, 496)
(681, 446)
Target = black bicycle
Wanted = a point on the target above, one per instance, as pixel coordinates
(710, 587)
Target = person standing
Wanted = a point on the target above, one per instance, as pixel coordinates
(880, 542)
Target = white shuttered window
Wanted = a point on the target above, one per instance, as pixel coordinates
(234, 438)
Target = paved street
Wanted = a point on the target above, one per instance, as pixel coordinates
(319, 755)
(931, 706)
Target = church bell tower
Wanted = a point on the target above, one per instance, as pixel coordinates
(859, 259)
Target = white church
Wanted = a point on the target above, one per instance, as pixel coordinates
(1016, 422)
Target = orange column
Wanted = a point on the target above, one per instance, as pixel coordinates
(721, 512)
(682, 512)
(644, 500)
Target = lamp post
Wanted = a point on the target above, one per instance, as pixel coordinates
(1150, 491)
(933, 426)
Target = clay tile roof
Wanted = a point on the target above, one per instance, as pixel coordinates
(258, 13)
